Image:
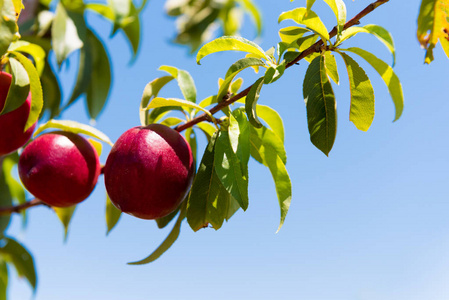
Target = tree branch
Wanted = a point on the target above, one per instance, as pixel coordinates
(314, 48)
(20, 207)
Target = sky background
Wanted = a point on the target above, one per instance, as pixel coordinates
(369, 222)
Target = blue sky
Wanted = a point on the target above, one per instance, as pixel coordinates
(368, 222)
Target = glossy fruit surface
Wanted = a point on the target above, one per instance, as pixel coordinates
(59, 168)
(12, 124)
(149, 171)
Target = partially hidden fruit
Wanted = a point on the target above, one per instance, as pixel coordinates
(12, 124)
(59, 168)
(149, 171)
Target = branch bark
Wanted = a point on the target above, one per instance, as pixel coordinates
(20, 207)
(314, 48)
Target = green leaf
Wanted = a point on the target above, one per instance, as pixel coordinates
(239, 132)
(309, 4)
(307, 18)
(104, 10)
(8, 25)
(185, 82)
(171, 121)
(388, 76)
(17, 255)
(51, 91)
(191, 139)
(37, 101)
(321, 106)
(207, 128)
(331, 66)
(15, 189)
(252, 9)
(379, 32)
(84, 77)
(291, 34)
(362, 95)
(168, 242)
(151, 91)
(268, 150)
(164, 221)
(5, 197)
(274, 73)
(433, 26)
(36, 52)
(67, 33)
(251, 102)
(208, 198)
(233, 70)
(3, 281)
(100, 83)
(232, 207)
(19, 88)
(74, 127)
(113, 215)
(230, 43)
(65, 215)
(228, 170)
(339, 9)
(168, 102)
(273, 119)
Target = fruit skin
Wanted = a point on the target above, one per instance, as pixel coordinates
(12, 124)
(59, 168)
(149, 171)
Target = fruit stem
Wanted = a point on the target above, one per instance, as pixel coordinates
(314, 48)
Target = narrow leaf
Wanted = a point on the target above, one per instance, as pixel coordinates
(208, 198)
(100, 83)
(321, 106)
(113, 215)
(362, 95)
(36, 52)
(19, 88)
(17, 255)
(37, 101)
(308, 18)
(229, 43)
(151, 91)
(167, 243)
(3, 281)
(388, 76)
(331, 66)
(273, 119)
(65, 215)
(74, 127)
(228, 170)
(8, 25)
(65, 34)
(168, 102)
(185, 82)
(339, 9)
(251, 102)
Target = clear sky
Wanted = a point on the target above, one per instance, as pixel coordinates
(369, 222)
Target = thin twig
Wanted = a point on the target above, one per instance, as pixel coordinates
(314, 48)
(20, 207)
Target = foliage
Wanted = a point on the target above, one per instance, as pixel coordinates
(244, 129)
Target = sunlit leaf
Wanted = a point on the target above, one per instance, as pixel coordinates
(36, 52)
(113, 215)
(251, 102)
(272, 118)
(362, 95)
(67, 33)
(8, 25)
(379, 32)
(74, 127)
(35, 89)
(292, 33)
(308, 18)
(388, 76)
(433, 26)
(151, 91)
(266, 148)
(208, 198)
(339, 9)
(19, 88)
(229, 43)
(321, 106)
(185, 82)
(331, 66)
(65, 215)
